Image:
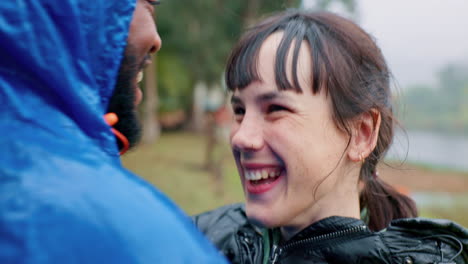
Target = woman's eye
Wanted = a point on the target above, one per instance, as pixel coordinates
(276, 108)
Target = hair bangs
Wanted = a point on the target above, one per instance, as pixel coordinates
(242, 65)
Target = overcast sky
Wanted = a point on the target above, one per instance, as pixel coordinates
(417, 37)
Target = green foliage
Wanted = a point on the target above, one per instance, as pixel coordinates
(174, 90)
(202, 32)
(441, 108)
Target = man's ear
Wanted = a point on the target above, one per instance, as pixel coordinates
(365, 132)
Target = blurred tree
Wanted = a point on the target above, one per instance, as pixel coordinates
(453, 78)
(442, 108)
(151, 128)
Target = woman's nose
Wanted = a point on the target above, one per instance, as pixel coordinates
(247, 135)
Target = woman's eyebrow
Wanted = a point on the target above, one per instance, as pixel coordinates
(266, 97)
(262, 98)
(270, 96)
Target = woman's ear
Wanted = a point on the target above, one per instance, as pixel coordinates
(365, 132)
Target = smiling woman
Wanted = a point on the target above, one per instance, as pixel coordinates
(313, 118)
(291, 135)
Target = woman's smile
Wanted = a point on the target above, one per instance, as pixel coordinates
(261, 178)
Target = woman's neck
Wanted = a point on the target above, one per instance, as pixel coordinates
(340, 203)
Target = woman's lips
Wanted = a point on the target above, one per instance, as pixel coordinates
(262, 186)
(261, 178)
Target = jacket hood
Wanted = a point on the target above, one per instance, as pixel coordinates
(59, 63)
(65, 197)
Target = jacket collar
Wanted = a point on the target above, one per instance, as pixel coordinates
(327, 225)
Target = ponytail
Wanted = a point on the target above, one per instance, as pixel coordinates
(381, 202)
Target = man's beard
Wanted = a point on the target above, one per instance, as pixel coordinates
(122, 102)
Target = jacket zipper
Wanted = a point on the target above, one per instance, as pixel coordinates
(275, 254)
(277, 250)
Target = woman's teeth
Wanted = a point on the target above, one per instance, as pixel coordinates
(255, 175)
(140, 77)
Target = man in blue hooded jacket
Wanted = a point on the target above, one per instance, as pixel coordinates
(64, 195)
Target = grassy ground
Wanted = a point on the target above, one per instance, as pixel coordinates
(175, 164)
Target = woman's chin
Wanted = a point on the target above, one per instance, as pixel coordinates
(262, 219)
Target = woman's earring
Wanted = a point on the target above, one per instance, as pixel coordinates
(361, 158)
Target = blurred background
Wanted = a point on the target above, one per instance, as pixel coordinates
(185, 150)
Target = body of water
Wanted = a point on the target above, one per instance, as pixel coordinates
(431, 148)
(440, 200)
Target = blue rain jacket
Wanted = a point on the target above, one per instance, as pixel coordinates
(64, 195)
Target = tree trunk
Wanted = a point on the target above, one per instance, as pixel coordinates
(198, 107)
(293, 3)
(210, 138)
(214, 160)
(151, 128)
(251, 12)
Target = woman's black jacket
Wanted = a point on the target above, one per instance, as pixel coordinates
(338, 240)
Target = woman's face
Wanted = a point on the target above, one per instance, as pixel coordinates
(285, 144)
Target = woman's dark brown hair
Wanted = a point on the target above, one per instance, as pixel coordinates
(347, 63)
